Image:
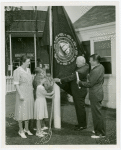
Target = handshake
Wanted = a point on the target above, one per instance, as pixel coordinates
(57, 80)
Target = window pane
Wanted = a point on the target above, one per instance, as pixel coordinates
(106, 59)
(107, 66)
(103, 48)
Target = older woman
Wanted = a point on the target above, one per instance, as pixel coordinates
(24, 96)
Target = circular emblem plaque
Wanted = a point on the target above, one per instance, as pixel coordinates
(65, 49)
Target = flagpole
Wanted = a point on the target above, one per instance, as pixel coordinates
(50, 31)
(56, 99)
(35, 36)
(11, 64)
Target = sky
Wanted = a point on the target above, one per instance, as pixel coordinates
(74, 12)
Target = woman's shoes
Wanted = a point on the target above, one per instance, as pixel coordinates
(28, 132)
(34, 128)
(44, 128)
(39, 134)
(44, 132)
(22, 134)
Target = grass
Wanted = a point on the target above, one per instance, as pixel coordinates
(65, 136)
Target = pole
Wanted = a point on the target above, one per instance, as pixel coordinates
(11, 65)
(50, 31)
(35, 50)
(56, 100)
(36, 34)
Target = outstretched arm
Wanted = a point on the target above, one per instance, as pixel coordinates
(66, 79)
(82, 71)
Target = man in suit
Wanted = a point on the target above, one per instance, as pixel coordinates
(78, 94)
(95, 85)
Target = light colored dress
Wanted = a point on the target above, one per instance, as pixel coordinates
(24, 109)
(40, 107)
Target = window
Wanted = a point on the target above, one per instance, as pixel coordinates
(103, 48)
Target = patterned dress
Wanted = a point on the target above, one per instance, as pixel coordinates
(40, 107)
(24, 109)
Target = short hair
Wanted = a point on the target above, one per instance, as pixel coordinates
(81, 59)
(96, 57)
(38, 70)
(23, 59)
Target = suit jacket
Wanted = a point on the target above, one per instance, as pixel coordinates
(95, 83)
(72, 87)
(82, 71)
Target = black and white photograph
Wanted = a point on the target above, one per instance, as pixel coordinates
(60, 73)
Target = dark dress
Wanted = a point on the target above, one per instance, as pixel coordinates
(78, 94)
(95, 85)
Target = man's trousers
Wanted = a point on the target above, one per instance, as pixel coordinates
(98, 120)
(79, 102)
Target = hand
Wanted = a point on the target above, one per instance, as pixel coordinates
(56, 79)
(88, 76)
(53, 95)
(21, 98)
(50, 97)
(53, 92)
(77, 81)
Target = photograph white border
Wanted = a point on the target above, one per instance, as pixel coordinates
(2, 69)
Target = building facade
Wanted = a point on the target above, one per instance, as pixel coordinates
(24, 38)
(97, 30)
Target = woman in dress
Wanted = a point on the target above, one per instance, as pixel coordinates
(24, 96)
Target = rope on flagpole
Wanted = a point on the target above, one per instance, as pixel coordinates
(47, 137)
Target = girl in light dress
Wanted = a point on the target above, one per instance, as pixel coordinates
(40, 107)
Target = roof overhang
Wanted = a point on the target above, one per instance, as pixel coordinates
(25, 33)
(95, 27)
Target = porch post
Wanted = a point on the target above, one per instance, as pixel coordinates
(35, 50)
(11, 64)
(92, 45)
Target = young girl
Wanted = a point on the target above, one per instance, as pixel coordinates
(40, 108)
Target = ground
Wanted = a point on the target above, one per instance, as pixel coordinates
(65, 136)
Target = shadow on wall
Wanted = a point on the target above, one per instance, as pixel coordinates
(109, 89)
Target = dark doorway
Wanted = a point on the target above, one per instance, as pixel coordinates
(86, 45)
(32, 66)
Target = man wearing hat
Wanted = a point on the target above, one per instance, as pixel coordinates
(78, 94)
